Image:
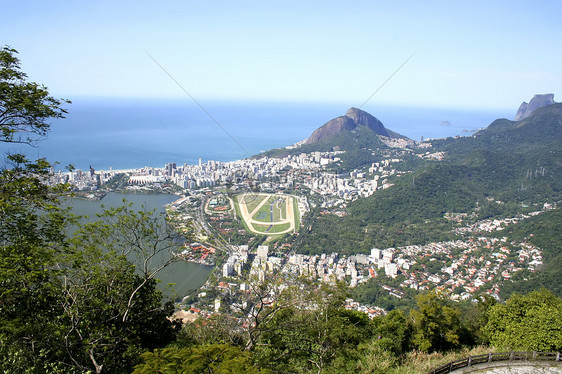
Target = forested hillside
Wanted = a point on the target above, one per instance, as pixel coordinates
(518, 164)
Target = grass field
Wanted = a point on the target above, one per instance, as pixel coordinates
(296, 212)
(268, 214)
(272, 229)
(273, 207)
(252, 201)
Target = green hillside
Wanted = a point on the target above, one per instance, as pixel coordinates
(516, 163)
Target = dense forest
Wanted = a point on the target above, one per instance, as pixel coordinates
(80, 297)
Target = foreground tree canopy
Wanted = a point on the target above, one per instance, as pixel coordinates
(25, 107)
(531, 322)
(69, 303)
(213, 358)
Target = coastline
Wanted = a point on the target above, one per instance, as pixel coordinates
(91, 135)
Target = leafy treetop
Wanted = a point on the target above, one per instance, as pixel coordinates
(25, 107)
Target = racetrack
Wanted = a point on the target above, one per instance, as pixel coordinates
(272, 224)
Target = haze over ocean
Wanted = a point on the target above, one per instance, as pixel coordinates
(132, 133)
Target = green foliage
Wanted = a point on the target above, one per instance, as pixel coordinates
(392, 332)
(359, 232)
(374, 359)
(213, 358)
(14, 358)
(212, 330)
(31, 237)
(25, 107)
(429, 193)
(475, 317)
(531, 322)
(109, 309)
(69, 304)
(310, 336)
(545, 232)
(372, 293)
(435, 325)
(80, 303)
(318, 335)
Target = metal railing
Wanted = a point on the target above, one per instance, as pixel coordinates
(496, 357)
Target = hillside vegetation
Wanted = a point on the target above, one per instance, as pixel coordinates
(516, 163)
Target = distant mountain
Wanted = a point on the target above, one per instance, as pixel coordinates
(352, 119)
(538, 101)
(331, 128)
(357, 132)
(515, 162)
(541, 129)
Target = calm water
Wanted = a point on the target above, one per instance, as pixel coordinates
(186, 276)
(136, 133)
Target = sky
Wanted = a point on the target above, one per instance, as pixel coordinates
(464, 54)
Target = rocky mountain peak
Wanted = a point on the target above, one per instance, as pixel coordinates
(538, 101)
(353, 117)
(361, 117)
(331, 128)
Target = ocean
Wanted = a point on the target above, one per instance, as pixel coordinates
(133, 133)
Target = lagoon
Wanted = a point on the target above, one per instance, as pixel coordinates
(185, 276)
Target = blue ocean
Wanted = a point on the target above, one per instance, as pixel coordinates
(132, 133)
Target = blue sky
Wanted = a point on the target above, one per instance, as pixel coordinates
(468, 54)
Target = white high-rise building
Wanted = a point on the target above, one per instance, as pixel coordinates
(388, 254)
(391, 270)
(262, 252)
(227, 269)
(376, 253)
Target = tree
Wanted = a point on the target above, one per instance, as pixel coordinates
(25, 107)
(260, 304)
(80, 302)
(475, 317)
(70, 303)
(530, 322)
(217, 328)
(31, 226)
(313, 333)
(435, 325)
(112, 310)
(204, 359)
(392, 333)
(139, 236)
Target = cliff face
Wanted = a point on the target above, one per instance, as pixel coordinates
(361, 117)
(353, 117)
(538, 101)
(331, 128)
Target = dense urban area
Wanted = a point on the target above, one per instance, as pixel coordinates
(475, 263)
